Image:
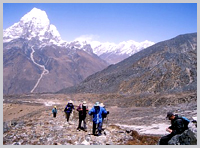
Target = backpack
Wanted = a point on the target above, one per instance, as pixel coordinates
(69, 107)
(54, 110)
(186, 121)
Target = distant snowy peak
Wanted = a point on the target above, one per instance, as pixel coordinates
(126, 47)
(33, 24)
(81, 45)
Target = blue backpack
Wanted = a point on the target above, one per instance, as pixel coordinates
(186, 121)
(54, 110)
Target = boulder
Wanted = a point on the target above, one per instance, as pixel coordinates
(16, 143)
(5, 127)
(85, 142)
(188, 137)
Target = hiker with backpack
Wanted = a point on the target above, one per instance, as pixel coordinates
(68, 109)
(82, 109)
(178, 126)
(97, 113)
(54, 111)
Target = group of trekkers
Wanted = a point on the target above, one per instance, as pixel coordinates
(98, 113)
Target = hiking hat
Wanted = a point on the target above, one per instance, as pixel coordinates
(70, 101)
(169, 114)
(55, 107)
(84, 103)
(97, 104)
(102, 105)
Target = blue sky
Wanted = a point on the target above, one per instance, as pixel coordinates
(112, 22)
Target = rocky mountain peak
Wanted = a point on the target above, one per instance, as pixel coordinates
(37, 16)
(34, 24)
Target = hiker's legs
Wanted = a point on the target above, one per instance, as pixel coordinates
(54, 115)
(164, 140)
(80, 121)
(94, 128)
(68, 115)
(99, 128)
(84, 123)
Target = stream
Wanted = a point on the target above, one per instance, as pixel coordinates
(45, 71)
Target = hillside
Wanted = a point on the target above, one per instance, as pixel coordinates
(166, 67)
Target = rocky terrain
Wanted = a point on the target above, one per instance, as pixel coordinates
(28, 121)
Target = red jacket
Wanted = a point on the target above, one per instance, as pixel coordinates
(82, 110)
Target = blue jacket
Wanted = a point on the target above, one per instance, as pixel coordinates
(54, 110)
(97, 114)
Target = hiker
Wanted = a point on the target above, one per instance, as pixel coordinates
(54, 111)
(97, 113)
(68, 109)
(103, 115)
(82, 109)
(177, 127)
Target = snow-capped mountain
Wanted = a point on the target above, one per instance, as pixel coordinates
(114, 53)
(36, 59)
(126, 47)
(33, 24)
(111, 52)
(80, 45)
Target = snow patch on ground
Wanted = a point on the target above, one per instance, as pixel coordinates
(153, 129)
(50, 103)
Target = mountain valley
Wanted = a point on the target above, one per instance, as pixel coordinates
(137, 82)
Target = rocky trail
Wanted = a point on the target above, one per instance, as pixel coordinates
(42, 129)
(28, 120)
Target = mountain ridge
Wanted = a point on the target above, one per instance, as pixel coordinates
(149, 71)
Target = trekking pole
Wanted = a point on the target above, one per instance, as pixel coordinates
(92, 123)
(106, 122)
(106, 125)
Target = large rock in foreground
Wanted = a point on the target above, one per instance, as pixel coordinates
(188, 137)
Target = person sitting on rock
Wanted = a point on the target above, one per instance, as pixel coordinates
(82, 109)
(54, 111)
(68, 109)
(97, 113)
(177, 127)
